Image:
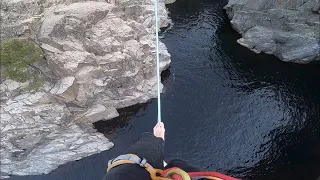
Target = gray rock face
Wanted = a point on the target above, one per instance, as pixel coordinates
(36, 136)
(288, 29)
(99, 56)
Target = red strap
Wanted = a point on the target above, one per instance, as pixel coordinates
(213, 174)
(198, 174)
(175, 176)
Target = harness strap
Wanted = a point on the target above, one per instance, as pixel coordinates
(134, 159)
(168, 174)
(131, 157)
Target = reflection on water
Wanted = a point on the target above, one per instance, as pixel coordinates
(225, 108)
(249, 115)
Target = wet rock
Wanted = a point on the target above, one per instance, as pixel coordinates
(288, 29)
(170, 1)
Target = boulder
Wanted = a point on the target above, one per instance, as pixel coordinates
(288, 29)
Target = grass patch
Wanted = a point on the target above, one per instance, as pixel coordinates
(17, 59)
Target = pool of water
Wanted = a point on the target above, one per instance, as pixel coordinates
(225, 108)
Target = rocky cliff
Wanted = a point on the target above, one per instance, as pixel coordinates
(98, 56)
(288, 29)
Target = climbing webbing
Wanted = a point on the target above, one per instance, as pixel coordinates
(157, 58)
(168, 174)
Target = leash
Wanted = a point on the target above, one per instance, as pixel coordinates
(157, 58)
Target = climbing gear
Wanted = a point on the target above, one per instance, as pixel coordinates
(134, 159)
(208, 175)
(157, 58)
(168, 174)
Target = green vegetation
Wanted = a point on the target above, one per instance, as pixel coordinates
(17, 58)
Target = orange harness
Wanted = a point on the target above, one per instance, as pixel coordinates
(168, 174)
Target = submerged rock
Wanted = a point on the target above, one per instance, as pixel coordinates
(170, 1)
(99, 56)
(288, 29)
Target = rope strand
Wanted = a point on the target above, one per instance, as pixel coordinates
(157, 58)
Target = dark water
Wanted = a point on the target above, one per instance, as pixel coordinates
(225, 108)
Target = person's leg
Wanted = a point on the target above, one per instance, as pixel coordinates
(149, 146)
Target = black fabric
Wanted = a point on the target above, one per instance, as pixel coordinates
(148, 147)
(152, 149)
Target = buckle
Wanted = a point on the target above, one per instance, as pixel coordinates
(143, 162)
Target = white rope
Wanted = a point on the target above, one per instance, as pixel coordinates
(157, 58)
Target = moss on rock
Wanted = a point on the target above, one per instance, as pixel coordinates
(17, 58)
